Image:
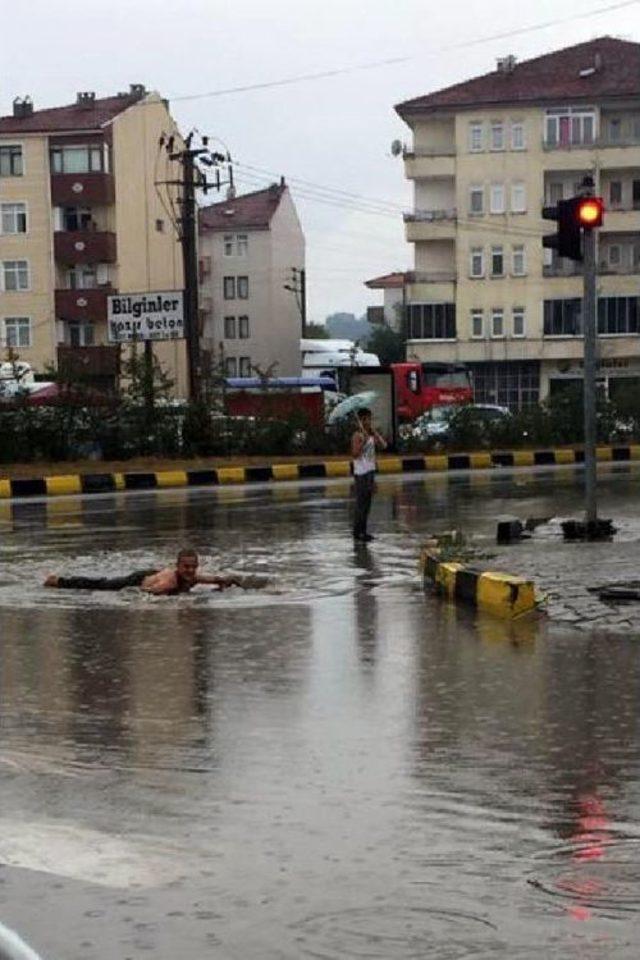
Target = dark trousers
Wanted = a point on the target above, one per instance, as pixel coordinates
(105, 583)
(364, 495)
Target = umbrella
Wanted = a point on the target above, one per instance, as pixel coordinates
(352, 405)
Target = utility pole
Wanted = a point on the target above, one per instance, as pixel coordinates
(193, 178)
(298, 286)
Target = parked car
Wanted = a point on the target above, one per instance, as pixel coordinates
(439, 424)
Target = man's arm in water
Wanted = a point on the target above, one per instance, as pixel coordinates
(219, 580)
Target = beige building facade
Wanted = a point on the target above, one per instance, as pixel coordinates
(80, 219)
(251, 249)
(487, 155)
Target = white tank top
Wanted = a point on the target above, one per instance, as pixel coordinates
(366, 462)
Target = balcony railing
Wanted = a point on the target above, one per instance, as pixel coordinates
(597, 144)
(429, 216)
(83, 305)
(429, 152)
(83, 189)
(431, 276)
(84, 246)
(604, 270)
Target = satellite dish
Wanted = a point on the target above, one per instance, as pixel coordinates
(396, 148)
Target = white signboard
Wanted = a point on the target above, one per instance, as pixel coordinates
(145, 316)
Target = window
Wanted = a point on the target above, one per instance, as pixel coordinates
(618, 315)
(497, 204)
(497, 262)
(80, 334)
(497, 323)
(615, 255)
(615, 130)
(518, 198)
(11, 161)
(636, 194)
(431, 321)
(79, 159)
(235, 244)
(475, 137)
(517, 321)
(242, 244)
(497, 136)
(518, 264)
(245, 366)
(563, 318)
(229, 288)
(476, 262)
(477, 324)
(243, 288)
(13, 218)
(243, 328)
(231, 367)
(82, 278)
(615, 193)
(15, 275)
(160, 225)
(77, 218)
(230, 328)
(476, 199)
(556, 191)
(228, 245)
(511, 383)
(17, 332)
(517, 135)
(569, 126)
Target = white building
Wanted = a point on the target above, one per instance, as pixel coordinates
(251, 248)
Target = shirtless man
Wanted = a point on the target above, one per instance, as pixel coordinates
(167, 582)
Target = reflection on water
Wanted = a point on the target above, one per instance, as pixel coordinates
(345, 769)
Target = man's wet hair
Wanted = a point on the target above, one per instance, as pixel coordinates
(364, 412)
(185, 553)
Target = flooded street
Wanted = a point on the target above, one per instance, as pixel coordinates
(338, 766)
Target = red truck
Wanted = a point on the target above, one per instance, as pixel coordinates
(420, 386)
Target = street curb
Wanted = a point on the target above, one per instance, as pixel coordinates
(500, 594)
(86, 483)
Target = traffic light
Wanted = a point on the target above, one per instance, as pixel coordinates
(572, 216)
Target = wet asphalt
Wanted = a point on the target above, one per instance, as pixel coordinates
(337, 766)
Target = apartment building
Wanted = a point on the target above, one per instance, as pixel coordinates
(250, 246)
(81, 218)
(487, 154)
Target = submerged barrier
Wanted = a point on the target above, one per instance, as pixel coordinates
(501, 594)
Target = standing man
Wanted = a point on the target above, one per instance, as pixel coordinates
(363, 450)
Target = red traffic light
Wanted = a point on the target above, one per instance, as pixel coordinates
(590, 212)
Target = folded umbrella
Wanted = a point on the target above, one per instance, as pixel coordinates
(352, 404)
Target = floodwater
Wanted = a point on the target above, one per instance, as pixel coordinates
(339, 766)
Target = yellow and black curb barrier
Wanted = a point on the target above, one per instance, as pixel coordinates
(500, 594)
(219, 476)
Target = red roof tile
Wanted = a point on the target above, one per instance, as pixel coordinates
(552, 77)
(251, 211)
(72, 117)
(388, 281)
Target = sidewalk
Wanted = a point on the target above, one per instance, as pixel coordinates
(36, 480)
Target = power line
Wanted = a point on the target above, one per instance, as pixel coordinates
(392, 61)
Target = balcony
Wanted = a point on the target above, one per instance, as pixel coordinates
(432, 276)
(88, 306)
(86, 189)
(430, 225)
(84, 246)
(101, 363)
(425, 163)
(621, 220)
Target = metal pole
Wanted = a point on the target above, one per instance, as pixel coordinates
(303, 301)
(590, 344)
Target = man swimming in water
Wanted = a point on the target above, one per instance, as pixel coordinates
(166, 582)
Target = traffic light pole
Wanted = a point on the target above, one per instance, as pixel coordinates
(590, 361)
(190, 268)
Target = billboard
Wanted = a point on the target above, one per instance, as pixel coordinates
(145, 316)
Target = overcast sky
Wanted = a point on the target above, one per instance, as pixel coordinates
(333, 133)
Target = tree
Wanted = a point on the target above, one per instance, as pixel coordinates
(317, 331)
(387, 344)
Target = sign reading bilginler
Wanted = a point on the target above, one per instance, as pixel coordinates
(145, 316)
